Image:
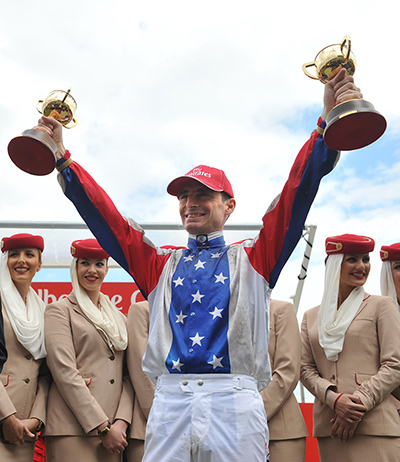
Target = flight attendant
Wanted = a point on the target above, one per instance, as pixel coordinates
(23, 382)
(390, 272)
(90, 401)
(351, 360)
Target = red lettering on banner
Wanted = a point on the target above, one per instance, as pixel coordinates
(121, 294)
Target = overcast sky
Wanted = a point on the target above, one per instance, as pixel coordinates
(165, 85)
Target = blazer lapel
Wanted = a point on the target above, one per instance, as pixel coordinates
(363, 305)
(74, 304)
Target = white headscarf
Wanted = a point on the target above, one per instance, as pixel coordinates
(387, 283)
(333, 322)
(27, 320)
(106, 318)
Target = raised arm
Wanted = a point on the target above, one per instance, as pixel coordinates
(122, 238)
(284, 220)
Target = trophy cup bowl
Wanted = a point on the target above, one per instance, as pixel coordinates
(352, 124)
(34, 151)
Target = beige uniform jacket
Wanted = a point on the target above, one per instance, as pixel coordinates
(89, 386)
(23, 382)
(368, 366)
(138, 330)
(285, 420)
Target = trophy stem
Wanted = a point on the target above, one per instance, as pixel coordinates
(353, 124)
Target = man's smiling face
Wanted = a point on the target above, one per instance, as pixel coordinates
(203, 210)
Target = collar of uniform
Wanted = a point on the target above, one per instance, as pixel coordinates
(206, 241)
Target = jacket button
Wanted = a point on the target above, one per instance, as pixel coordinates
(112, 357)
(184, 382)
(112, 381)
(28, 356)
(26, 380)
(200, 383)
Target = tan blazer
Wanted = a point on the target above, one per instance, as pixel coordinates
(368, 366)
(88, 386)
(138, 331)
(23, 382)
(285, 420)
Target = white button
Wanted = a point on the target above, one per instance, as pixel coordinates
(184, 382)
(200, 383)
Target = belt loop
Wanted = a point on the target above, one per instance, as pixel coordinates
(239, 385)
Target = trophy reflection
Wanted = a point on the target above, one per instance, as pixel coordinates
(354, 123)
(34, 151)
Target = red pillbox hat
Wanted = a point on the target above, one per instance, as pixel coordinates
(213, 178)
(390, 252)
(88, 248)
(22, 240)
(349, 243)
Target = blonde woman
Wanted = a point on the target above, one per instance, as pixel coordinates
(23, 385)
(90, 401)
(351, 360)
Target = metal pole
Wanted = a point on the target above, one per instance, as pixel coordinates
(310, 231)
(146, 226)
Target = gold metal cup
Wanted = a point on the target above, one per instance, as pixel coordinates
(34, 151)
(332, 58)
(352, 124)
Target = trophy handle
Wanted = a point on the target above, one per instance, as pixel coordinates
(308, 74)
(346, 43)
(72, 123)
(39, 109)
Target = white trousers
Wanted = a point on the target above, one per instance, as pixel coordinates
(206, 418)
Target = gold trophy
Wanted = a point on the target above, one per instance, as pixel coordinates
(34, 151)
(352, 124)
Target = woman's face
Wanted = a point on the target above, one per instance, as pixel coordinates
(395, 265)
(91, 273)
(23, 264)
(354, 270)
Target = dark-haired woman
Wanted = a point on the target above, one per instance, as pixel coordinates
(90, 402)
(390, 272)
(351, 360)
(23, 385)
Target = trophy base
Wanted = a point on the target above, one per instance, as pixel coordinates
(33, 152)
(352, 125)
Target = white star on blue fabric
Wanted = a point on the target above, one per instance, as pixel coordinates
(196, 339)
(179, 281)
(197, 297)
(180, 317)
(177, 365)
(216, 313)
(189, 258)
(216, 362)
(199, 264)
(220, 278)
(215, 255)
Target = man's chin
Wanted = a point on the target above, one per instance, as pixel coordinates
(192, 228)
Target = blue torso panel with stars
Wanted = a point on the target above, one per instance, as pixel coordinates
(199, 310)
